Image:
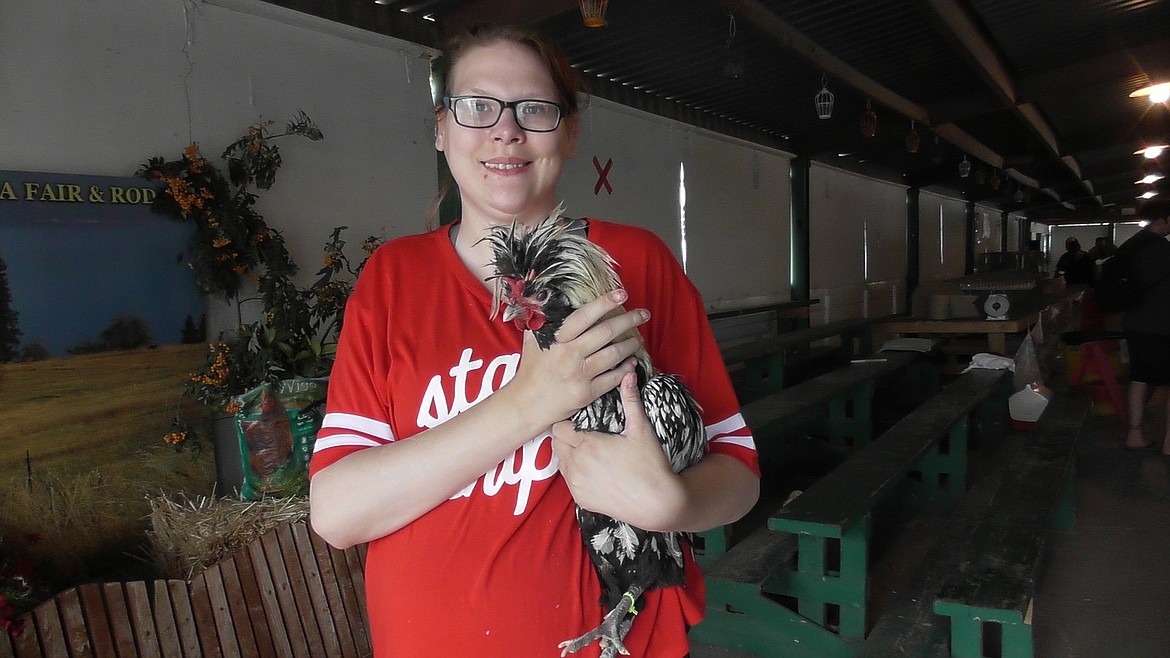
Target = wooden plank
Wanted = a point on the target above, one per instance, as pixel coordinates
(278, 630)
(204, 617)
(141, 616)
(355, 559)
(73, 624)
(119, 617)
(93, 607)
(792, 340)
(299, 589)
(329, 580)
(180, 597)
(842, 496)
(47, 621)
(225, 626)
(163, 614)
(817, 392)
(1004, 553)
(285, 594)
(253, 603)
(27, 645)
(238, 609)
(315, 587)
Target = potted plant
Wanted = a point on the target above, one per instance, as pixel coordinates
(269, 375)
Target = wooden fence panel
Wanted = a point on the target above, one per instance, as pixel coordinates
(48, 629)
(315, 589)
(93, 608)
(329, 581)
(142, 618)
(287, 594)
(179, 595)
(355, 558)
(73, 621)
(163, 616)
(27, 645)
(118, 616)
(252, 602)
(204, 617)
(284, 588)
(277, 628)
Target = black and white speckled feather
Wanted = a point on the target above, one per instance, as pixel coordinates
(541, 276)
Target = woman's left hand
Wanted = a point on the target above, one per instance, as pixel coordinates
(626, 476)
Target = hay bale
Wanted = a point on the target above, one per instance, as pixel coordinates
(187, 536)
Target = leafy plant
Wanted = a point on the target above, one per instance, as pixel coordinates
(297, 335)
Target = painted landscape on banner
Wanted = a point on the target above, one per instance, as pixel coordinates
(84, 252)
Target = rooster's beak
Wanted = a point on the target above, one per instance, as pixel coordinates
(511, 312)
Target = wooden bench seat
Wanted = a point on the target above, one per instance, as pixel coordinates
(994, 582)
(764, 360)
(824, 598)
(286, 594)
(835, 406)
(977, 571)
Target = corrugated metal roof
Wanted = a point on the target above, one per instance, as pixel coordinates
(1034, 88)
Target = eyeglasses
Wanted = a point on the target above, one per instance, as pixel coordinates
(484, 112)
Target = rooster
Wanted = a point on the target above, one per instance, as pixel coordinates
(541, 275)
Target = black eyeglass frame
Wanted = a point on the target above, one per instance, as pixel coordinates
(562, 111)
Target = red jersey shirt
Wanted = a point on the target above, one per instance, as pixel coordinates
(500, 568)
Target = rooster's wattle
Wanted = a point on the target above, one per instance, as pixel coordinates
(542, 274)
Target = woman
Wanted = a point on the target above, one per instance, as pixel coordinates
(444, 443)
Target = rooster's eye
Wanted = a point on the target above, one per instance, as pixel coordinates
(542, 296)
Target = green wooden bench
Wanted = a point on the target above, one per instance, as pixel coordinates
(960, 561)
(755, 602)
(764, 360)
(836, 406)
(989, 596)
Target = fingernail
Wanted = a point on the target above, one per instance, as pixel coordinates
(644, 314)
(618, 295)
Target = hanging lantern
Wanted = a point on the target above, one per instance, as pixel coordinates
(964, 167)
(913, 139)
(980, 176)
(593, 12)
(868, 121)
(824, 101)
(735, 59)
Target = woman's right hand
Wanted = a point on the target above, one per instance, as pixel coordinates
(587, 360)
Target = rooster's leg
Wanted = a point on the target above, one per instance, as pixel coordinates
(612, 630)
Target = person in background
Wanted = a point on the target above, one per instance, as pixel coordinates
(1147, 325)
(1075, 265)
(444, 443)
(1102, 249)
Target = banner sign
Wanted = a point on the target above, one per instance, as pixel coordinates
(84, 251)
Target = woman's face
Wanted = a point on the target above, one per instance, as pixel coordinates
(503, 172)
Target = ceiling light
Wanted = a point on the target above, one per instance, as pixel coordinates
(1158, 93)
(1149, 194)
(593, 12)
(382, 2)
(1151, 152)
(1149, 178)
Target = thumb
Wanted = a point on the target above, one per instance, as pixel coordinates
(636, 418)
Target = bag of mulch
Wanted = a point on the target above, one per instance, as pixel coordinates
(276, 427)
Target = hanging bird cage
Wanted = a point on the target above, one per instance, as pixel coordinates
(824, 101)
(868, 121)
(964, 167)
(993, 182)
(593, 12)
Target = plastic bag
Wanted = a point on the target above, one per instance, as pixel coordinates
(276, 427)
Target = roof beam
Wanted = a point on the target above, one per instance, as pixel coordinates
(964, 31)
(521, 12)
